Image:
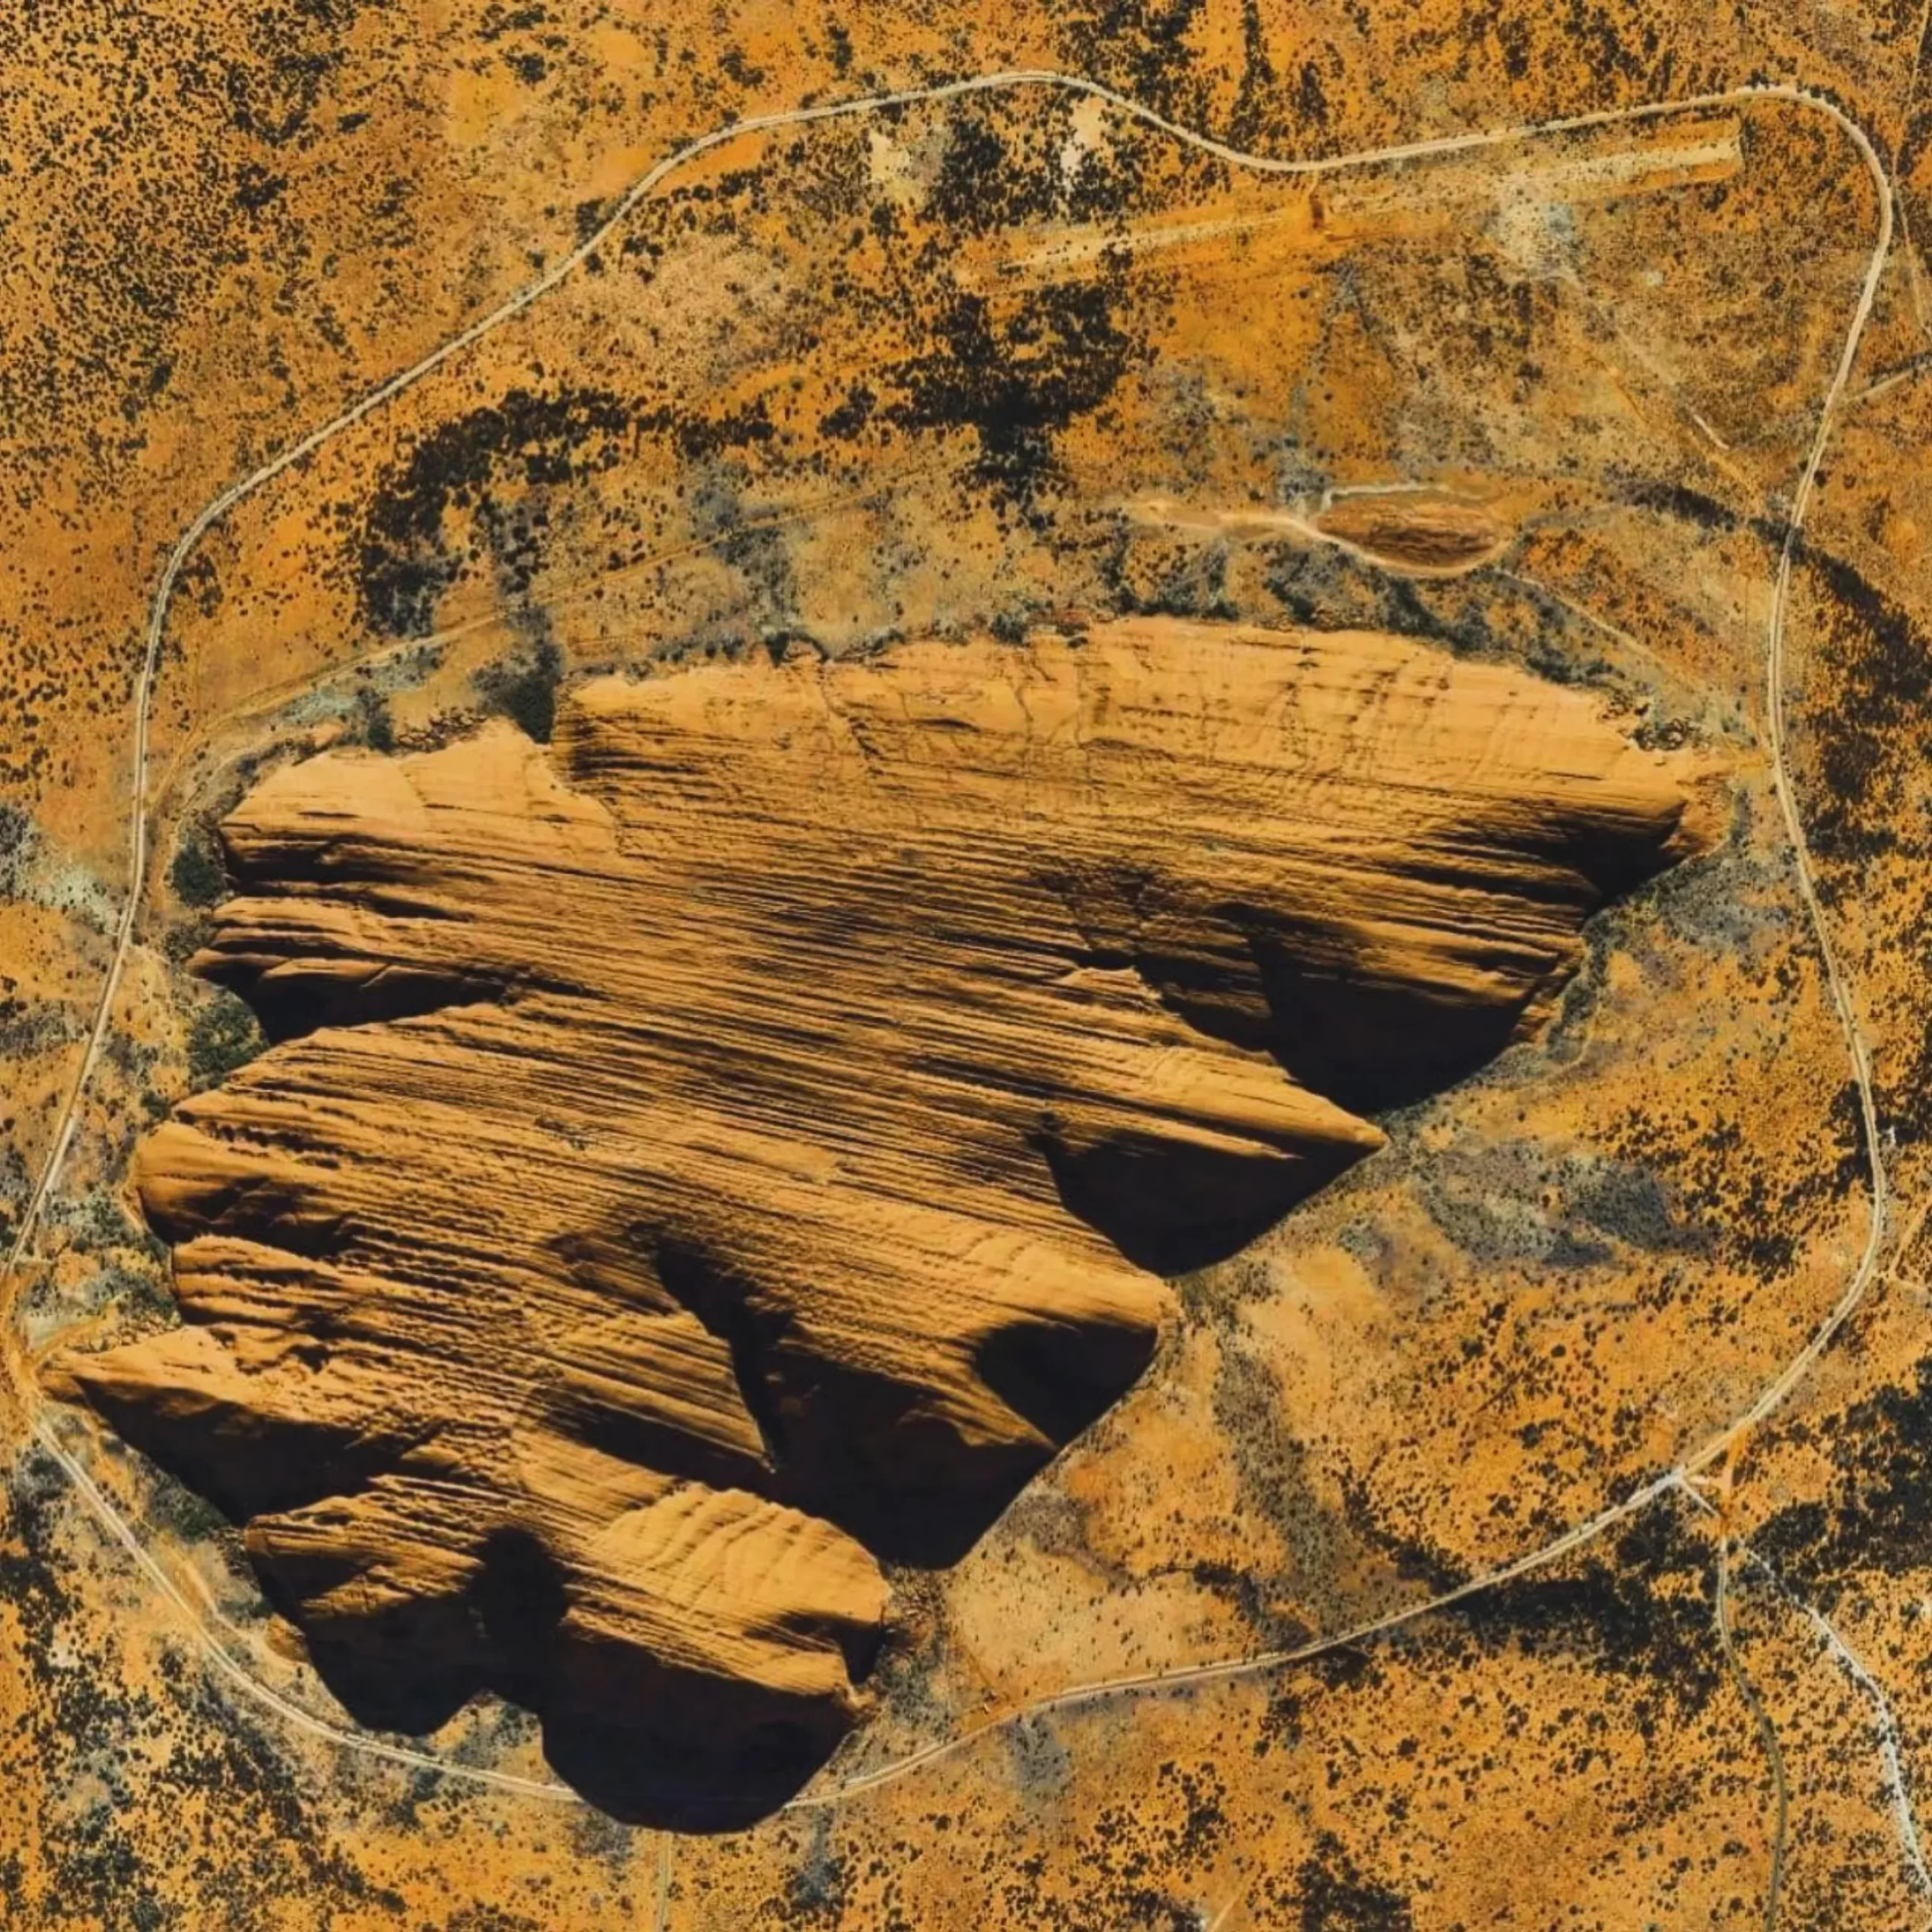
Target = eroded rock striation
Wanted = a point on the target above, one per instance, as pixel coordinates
(737, 1144)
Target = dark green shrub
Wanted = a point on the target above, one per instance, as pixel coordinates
(196, 876)
(222, 1035)
(372, 723)
(523, 688)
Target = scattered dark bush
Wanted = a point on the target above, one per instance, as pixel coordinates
(16, 848)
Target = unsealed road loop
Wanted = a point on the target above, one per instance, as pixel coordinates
(232, 1667)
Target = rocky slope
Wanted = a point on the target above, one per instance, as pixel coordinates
(738, 1143)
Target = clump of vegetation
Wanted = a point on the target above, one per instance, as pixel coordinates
(196, 876)
(1010, 626)
(371, 723)
(31, 1026)
(16, 849)
(181, 941)
(523, 688)
(15, 1185)
(222, 1035)
(174, 1507)
(144, 1299)
(97, 1221)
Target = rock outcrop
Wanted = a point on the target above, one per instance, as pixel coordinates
(740, 1142)
(1418, 532)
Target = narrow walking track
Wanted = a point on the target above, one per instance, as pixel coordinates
(1897, 1787)
(1767, 1737)
(16, 1379)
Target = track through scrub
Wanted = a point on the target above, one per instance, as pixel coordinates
(16, 1381)
(1897, 1788)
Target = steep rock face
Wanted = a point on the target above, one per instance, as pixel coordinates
(741, 1141)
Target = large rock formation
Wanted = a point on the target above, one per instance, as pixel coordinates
(743, 1140)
